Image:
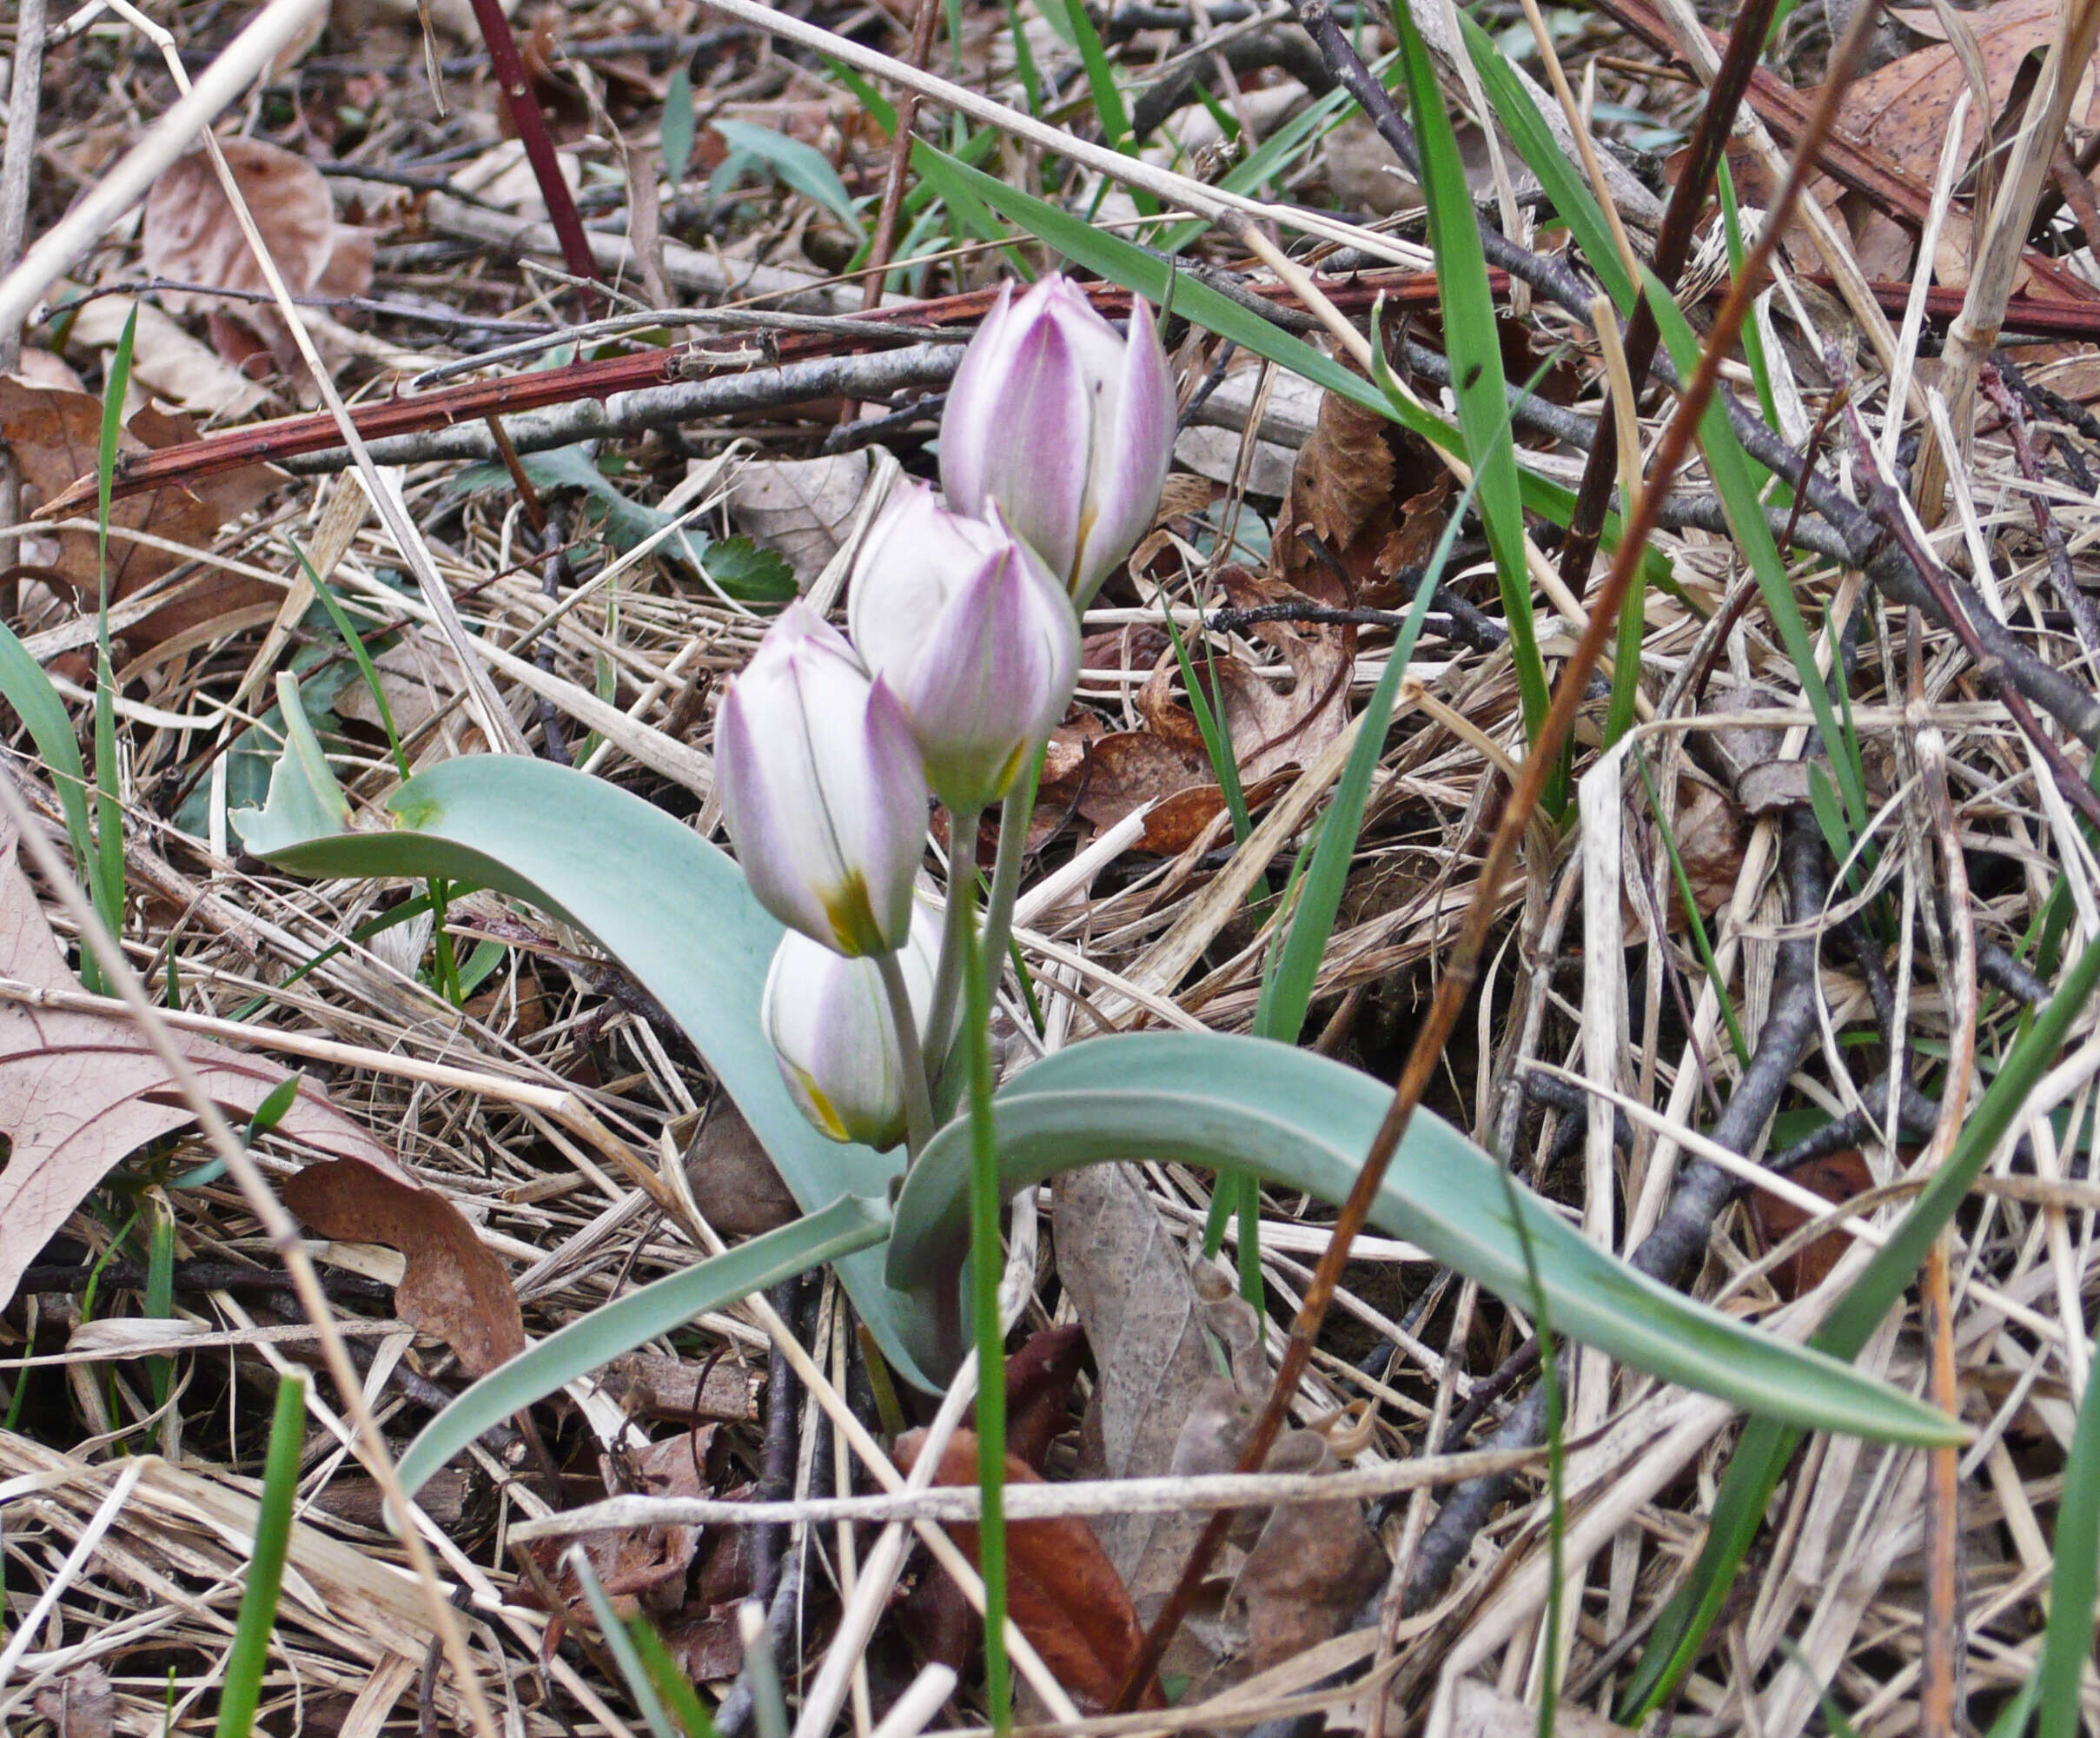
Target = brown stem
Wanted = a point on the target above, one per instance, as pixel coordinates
(1455, 986)
(1673, 247)
(530, 119)
(900, 157)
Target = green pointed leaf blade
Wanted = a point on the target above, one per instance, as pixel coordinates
(1304, 1122)
(849, 1224)
(1475, 349)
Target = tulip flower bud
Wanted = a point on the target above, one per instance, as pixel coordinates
(959, 617)
(822, 788)
(828, 1020)
(1068, 427)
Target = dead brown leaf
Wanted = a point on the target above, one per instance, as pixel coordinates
(55, 436)
(1904, 108)
(1346, 495)
(79, 1093)
(1272, 726)
(455, 1288)
(643, 1568)
(191, 236)
(1062, 1592)
(1128, 1282)
(732, 1180)
(1838, 1178)
(81, 1704)
(801, 507)
(1313, 1565)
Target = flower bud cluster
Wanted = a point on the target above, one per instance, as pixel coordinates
(963, 618)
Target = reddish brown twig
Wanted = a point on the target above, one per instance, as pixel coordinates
(601, 377)
(526, 117)
(1673, 247)
(900, 155)
(1455, 986)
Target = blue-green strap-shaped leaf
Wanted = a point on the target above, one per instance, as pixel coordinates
(663, 901)
(613, 1329)
(1304, 1122)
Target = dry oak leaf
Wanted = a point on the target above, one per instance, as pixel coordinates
(455, 1287)
(191, 236)
(1274, 726)
(1904, 107)
(1062, 1592)
(80, 1092)
(55, 436)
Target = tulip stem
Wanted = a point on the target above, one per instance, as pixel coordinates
(1014, 814)
(986, 1196)
(961, 906)
(918, 1105)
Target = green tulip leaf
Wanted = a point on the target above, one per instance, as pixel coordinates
(669, 906)
(611, 1330)
(1304, 1122)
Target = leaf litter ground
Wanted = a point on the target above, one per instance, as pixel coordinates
(457, 1201)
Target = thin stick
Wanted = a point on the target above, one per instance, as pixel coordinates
(1453, 989)
(1163, 1495)
(900, 159)
(553, 1101)
(111, 194)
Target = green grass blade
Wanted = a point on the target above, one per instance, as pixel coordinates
(24, 686)
(1564, 182)
(1475, 349)
(1280, 1014)
(1729, 465)
(242, 1691)
(106, 882)
(625, 1654)
(668, 1678)
(1761, 1455)
(353, 643)
(852, 1222)
(1218, 744)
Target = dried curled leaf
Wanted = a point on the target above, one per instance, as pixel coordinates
(1062, 1592)
(56, 434)
(456, 1287)
(192, 238)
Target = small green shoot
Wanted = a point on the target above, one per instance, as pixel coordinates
(986, 1264)
(680, 125)
(106, 884)
(1475, 349)
(642, 1684)
(242, 1691)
